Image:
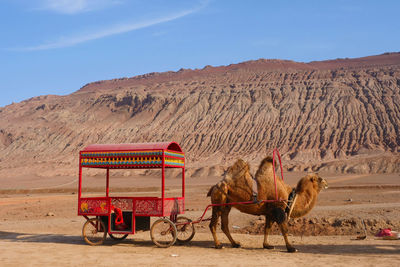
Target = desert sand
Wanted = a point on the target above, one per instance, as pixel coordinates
(40, 227)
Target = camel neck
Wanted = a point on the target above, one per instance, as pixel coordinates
(305, 202)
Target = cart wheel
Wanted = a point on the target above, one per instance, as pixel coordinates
(118, 236)
(185, 229)
(94, 232)
(163, 233)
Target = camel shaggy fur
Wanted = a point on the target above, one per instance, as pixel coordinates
(237, 186)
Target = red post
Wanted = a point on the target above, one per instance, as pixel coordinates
(280, 163)
(183, 178)
(80, 178)
(163, 181)
(108, 182)
(273, 168)
(80, 182)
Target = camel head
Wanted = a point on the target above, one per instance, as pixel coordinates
(311, 180)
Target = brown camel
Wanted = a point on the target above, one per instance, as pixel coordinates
(237, 186)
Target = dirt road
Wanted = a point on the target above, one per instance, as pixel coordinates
(28, 237)
(40, 243)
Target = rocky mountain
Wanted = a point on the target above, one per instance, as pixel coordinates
(338, 115)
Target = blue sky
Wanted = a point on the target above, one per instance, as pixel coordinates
(56, 47)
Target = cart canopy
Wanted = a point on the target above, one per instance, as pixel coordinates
(172, 146)
(136, 155)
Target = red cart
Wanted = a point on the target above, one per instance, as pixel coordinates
(121, 216)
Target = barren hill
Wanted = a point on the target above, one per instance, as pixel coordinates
(337, 115)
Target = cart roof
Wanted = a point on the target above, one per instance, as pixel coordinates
(173, 146)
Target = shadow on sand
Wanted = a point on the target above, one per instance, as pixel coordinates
(40, 238)
(78, 240)
(392, 247)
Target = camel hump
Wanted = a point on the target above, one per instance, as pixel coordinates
(238, 166)
(266, 160)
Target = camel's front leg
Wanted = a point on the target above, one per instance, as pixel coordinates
(284, 230)
(225, 226)
(213, 225)
(267, 228)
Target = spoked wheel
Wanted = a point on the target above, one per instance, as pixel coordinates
(185, 229)
(118, 237)
(163, 233)
(94, 232)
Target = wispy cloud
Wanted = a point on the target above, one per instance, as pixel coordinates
(112, 30)
(75, 6)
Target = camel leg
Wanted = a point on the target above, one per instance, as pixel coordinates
(225, 226)
(267, 228)
(284, 230)
(216, 213)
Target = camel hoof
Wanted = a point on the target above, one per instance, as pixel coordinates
(219, 246)
(236, 245)
(268, 246)
(292, 250)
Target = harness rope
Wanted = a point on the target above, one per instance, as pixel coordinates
(290, 203)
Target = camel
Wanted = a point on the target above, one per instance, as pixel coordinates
(237, 186)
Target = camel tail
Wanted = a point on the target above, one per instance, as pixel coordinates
(210, 191)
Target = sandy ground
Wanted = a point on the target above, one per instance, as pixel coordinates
(30, 238)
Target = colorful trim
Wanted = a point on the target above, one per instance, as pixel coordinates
(174, 154)
(122, 154)
(115, 159)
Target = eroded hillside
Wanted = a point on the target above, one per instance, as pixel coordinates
(340, 115)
